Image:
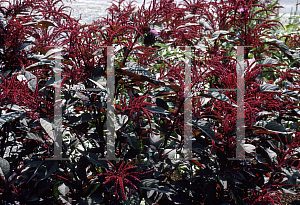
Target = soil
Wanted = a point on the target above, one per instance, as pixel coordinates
(290, 199)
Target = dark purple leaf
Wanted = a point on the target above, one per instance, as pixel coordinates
(161, 103)
(94, 159)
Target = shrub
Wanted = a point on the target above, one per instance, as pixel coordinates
(149, 61)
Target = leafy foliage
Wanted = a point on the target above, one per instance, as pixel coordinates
(149, 61)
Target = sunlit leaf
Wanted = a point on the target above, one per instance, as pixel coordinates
(9, 117)
(5, 168)
(219, 96)
(47, 125)
(218, 34)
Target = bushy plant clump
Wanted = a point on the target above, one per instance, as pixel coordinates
(150, 42)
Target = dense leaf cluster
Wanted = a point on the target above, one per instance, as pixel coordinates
(37, 36)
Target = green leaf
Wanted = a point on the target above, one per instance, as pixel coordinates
(272, 5)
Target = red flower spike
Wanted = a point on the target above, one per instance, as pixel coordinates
(136, 106)
(120, 175)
